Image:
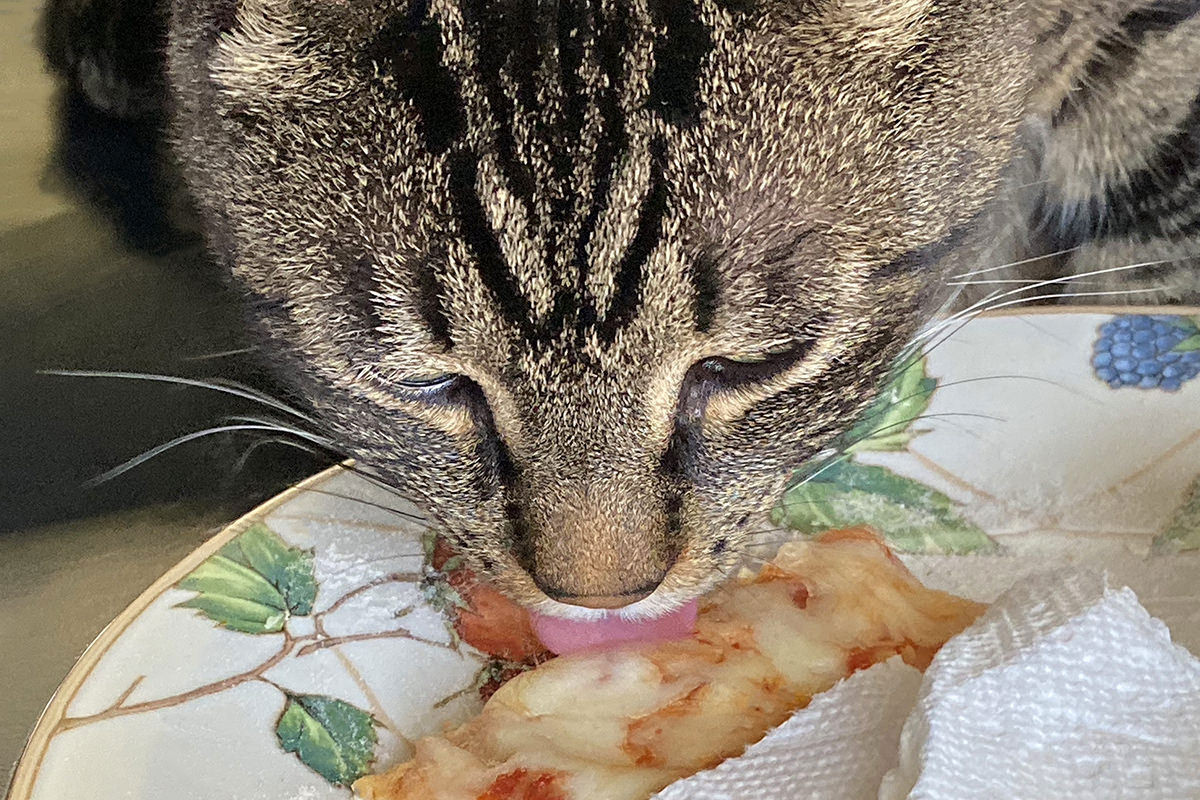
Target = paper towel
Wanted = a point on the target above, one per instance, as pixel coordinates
(1064, 688)
(837, 748)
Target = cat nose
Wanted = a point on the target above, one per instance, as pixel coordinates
(594, 543)
(597, 600)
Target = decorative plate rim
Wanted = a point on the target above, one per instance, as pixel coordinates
(29, 764)
(33, 754)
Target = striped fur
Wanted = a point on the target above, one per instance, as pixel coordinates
(1111, 171)
(589, 278)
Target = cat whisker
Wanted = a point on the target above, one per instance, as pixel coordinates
(407, 515)
(240, 464)
(1109, 293)
(788, 505)
(788, 537)
(833, 461)
(963, 319)
(220, 354)
(842, 452)
(329, 444)
(986, 304)
(935, 328)
(282, 427)
(360, 563)
(906, 422)
(1030, 184)
(382, 484)
(154, 452)
(962, 382)
(1010, 281)
(374, 479)
(777, 543)
(225, 387)
(1012, 264)
(1014, 377)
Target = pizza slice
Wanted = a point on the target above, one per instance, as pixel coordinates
(622, 723)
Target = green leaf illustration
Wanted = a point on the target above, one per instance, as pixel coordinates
(218, 575)
(1183, 531)
(330, 736)
(244, 616)
(253, 583)
(886, 424)
(913, 517)
(1188, 344)
(289, 569)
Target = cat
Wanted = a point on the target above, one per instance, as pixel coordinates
(590, 279)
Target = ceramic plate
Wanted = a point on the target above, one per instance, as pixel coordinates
(314, 639)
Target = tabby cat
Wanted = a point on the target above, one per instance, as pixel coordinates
(589, 279)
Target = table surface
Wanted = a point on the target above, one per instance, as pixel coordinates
(76, 290)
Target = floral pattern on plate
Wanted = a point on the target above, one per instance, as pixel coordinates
(322, 634)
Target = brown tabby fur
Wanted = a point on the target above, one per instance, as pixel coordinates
(801, 203)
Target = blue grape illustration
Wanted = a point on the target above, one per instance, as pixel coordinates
(1148, 351)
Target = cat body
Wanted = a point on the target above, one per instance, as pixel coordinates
(590, 279)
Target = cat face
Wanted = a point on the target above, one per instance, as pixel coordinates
(590, 279)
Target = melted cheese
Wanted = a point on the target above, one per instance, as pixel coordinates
(623, 723)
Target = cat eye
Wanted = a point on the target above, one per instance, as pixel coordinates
(730, 373)
(722, 373)
(432, 388)
(428, 382)
(449, 389)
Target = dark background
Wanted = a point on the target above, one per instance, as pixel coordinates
(98, 270)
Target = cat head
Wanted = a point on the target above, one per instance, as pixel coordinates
(590, 279)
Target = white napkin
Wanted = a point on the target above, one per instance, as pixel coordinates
(1064, 688)
(837, 748)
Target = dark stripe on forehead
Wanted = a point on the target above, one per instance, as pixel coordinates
(707, 285)
(926, 255)
(358, 289)
(612, 38)
(574, 23)
(630, 274)
(502, 31)
(483, 244)
(409, 49)
(520, 49)
(1117, 53)
(679, 53)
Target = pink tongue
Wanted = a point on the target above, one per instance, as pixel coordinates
(564, 636)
